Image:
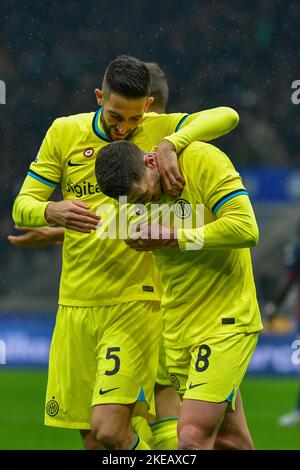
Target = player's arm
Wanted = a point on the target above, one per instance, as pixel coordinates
(235, 227)
(32, 207)
(221, 189)
(37, 237)
(205, 126)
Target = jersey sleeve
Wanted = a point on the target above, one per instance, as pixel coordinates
(204, 126)
(217, 180)
(163, 125)
(43, 177)
(235, 227)
(221, 189)
(47, 167)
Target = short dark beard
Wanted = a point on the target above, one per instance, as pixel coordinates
(107, 131)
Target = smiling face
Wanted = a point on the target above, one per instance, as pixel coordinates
(121, 116)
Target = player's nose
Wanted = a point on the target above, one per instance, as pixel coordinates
(123, 128)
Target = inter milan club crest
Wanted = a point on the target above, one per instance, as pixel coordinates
(175, 381)
(182, 208)
(88, 153)
(52, 408)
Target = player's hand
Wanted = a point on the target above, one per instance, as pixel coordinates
(72, 214)
(37, 237)
(166, 158)
(152, 237)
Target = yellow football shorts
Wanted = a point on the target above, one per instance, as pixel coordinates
(213, 369)
(101, 355)
(163, 377)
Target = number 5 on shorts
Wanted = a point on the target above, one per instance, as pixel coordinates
(116, 358)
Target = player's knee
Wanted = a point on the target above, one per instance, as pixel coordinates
(245, 443)
(192, 437)
(89, 441)
(240, 442)
(107, 435)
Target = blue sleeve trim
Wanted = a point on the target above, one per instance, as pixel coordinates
(181, 122)
(226, 198)
(46, 181)
(135, 444)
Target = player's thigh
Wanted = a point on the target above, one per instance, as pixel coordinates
(111, 422)
(234, 432)
(201, 418)
(127, 354)
(89, 440)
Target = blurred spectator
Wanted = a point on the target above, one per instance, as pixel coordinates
(292, 263)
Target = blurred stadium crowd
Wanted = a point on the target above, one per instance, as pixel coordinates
(237, 54)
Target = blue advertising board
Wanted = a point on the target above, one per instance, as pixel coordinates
(27, 341)
(272, 184)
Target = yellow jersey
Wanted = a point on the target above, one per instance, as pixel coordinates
(208, 286)
(97, 272)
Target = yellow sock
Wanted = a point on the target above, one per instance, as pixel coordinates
(139, 444)
(142, 429)
(165, 434)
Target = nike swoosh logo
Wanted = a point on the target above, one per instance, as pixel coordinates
(103, 392)
(197, 385)
(75, 164)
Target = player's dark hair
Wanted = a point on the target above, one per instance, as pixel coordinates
(118, 166)
(159, 87)
(128, 77)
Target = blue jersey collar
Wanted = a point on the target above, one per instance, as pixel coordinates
(97, 126)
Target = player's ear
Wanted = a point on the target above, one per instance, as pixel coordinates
(149, 101)
(99, 96)
(150, 160)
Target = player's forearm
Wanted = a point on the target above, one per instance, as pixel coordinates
(30, 205)
(205, 125)
(236, 227)
(57, 234)
(29, 212)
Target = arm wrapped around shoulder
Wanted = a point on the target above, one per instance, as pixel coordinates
(205, 126)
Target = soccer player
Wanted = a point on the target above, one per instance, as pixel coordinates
(163, 431)
(107, 329)
(210, 312)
